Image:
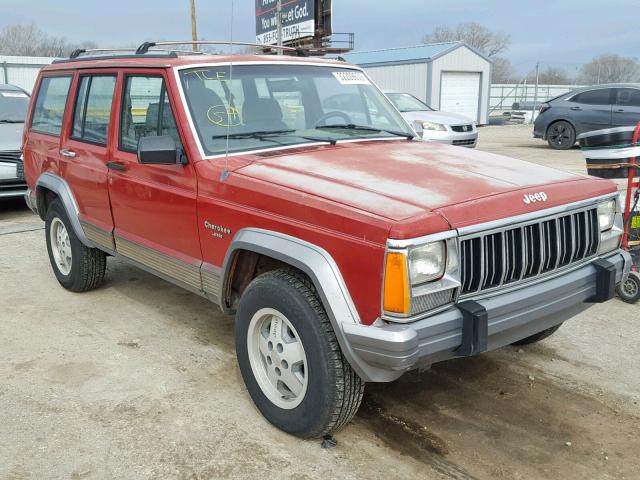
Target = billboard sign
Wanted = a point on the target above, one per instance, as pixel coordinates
(298, 20)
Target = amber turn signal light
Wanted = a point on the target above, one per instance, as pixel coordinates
(396, 284)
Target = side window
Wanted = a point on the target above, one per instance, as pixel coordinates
(601, 96)
(629, 97)
(50, 102)
(92, 111)
(146, 112)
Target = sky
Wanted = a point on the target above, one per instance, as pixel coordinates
(556, 33)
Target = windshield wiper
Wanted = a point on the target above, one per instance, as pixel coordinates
(2, 120)
(266, 134)
(351, 126)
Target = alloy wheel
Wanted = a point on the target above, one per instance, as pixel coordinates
(277, 357)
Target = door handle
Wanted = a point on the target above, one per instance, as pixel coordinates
(575, 108)
(118, 166)
(67, 153)
(620, 110)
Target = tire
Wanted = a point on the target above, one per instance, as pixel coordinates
(282, 305)
(629, 291)
(77, 267)
(538, 336)
(561, 135)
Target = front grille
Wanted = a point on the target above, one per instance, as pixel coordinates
(471, 141)
(519, 253)
(20, 171)
(462, 128)
(11, 156)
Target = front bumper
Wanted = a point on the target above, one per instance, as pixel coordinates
(388, 350)
(12, 182)
(466, 139)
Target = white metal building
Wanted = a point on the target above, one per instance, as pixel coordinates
(22, 71)
(451, 76)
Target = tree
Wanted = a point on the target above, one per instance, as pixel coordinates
(473, 34)
(610, 68)
(550, 76)
(29, 40)
(503, 71)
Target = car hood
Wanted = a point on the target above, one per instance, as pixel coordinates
(10, 136)
(402, 181)
(443, 118)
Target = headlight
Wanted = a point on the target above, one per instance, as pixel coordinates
(606, 214)
(427, 263)
(433, 126)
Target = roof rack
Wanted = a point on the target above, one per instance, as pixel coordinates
(144, 48)
(82, 51)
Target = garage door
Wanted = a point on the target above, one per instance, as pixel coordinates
(460, 93)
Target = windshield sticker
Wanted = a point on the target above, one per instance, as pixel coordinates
(352, 78)
(14, 94)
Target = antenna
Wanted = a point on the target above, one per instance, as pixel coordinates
(225, 172)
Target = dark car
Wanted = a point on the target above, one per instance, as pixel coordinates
(565, 117)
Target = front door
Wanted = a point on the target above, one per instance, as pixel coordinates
(626, 111)
(154, 206)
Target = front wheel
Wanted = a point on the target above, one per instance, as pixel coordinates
(77, 267)
(290, 359)
(561, 135)
(629, 291)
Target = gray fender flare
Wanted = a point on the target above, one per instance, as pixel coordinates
(61, 188)
(323, 271)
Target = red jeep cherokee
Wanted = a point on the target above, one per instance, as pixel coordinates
(349, 251)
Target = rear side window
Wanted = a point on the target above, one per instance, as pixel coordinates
(629, 97)
(50, 102)
(601, 96)
(146, 112)
(93, 108)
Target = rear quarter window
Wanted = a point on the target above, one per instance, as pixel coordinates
(50, 104)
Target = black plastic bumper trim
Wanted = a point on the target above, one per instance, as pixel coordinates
(605, 280)
(475, 323)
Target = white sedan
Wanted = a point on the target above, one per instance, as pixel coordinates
(433, 125)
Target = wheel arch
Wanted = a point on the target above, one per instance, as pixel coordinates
(318, 265)
(50, 186)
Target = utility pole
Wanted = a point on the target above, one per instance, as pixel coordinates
(279, 23)
(194, 30)
(535, 93)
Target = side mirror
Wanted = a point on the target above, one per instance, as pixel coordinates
(417, 126)
(160, 150)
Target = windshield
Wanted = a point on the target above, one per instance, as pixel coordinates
(13, 106)
(408, 103)
(263, 106)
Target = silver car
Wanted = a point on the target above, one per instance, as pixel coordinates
(433, 125)
(13, 110)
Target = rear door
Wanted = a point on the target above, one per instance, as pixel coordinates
(154, 206)
(85, 151)
(626, 111)
(591, 110)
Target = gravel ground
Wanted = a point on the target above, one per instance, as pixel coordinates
(138, 380)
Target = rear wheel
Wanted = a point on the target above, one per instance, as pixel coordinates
(561, 135)
(629, 291)
(538, 336)
(290, 359)
(77, 267)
